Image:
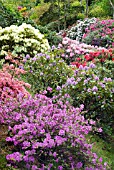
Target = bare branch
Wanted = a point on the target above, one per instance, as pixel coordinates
(111, 4)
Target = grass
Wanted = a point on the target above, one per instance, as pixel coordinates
(4, 148)
(104, 149)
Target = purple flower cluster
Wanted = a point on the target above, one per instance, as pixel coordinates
(48, 135)
(90, 87)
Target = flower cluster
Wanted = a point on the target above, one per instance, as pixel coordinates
(48, 130)
(101, 33)
(21, 9)
(11, 87)
(96, 57)
(76, 32)
(46, 72)
(90, 87)
(73, 49)
(48, 135)
(22, 40)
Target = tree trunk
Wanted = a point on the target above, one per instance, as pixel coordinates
(86, 8)
(112, 5)
(65, 14)
(59, 14)
(81, 2)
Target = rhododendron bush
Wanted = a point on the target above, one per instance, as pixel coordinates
(96, 57)
(101, 33)
(93, 31)
(76, 32)
(90, 87)
(10, 87)
(48, 136)
(74, 49)
(22, 40)
(46, 72)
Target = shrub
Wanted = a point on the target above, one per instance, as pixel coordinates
(90, 86)
(38, 11)
(49, 15)
(52, 37)
(77, 31)
(46, 71)
(8, 16)
(100, 33)
(54, 26)
(96, 57)
(10, 87)
(73, 49)
(80, 16)
(97, 11)
(109, 65)
(21, 40)
(58, 25)
(101, 9)
(48, 136)
(11, 83)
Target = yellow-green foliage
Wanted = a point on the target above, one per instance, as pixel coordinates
(38, 11)
(101, 8)
(13, 4)
(97, 11)
(80, 16)
(76, 3)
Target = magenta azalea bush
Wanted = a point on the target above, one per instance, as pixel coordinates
(48, 136)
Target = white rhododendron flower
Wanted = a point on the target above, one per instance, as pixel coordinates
(23, 39)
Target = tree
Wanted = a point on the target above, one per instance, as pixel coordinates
(66, 9)
(88, 3)
(112, 5)
(87, 7)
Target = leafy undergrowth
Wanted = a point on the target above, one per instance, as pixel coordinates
(104, 148)
(4, 148)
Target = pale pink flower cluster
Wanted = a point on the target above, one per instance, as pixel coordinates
(74, 48)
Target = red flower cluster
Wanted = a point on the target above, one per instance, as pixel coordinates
(97, 56)
(19, 8)
(78, 63)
